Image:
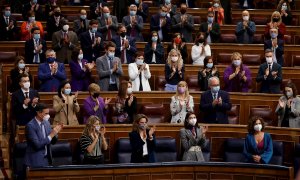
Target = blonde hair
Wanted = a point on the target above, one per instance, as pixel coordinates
(186, 93)
(179, 61)
(276, 13)
(94, 88)
(90, 125)
(236, 55)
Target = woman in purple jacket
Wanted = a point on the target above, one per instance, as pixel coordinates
(80, 71)
(95, 105)
(237, 76)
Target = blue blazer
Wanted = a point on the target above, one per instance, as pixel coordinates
(215, 114)
(279, 50)
(80, 80)
(250, 148)
(50, 83)
(137, 147)
(129, 52)
(159, 54)
(90, 53)
(35, 151)
(155, 26)
(138, 27)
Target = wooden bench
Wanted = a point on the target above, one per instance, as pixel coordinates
(175, 170)
(217, 134)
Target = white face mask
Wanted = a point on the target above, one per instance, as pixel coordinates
(129, 90)
(46, 117)
(80, 56)
(269, 60)
(192, 121)
(26, 85)
(139, 61)
(97, 128)
(174, 59)
(258, 127)
(66, 28)
(245, 18)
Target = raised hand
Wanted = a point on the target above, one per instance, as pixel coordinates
(107, 101)
(281, 103)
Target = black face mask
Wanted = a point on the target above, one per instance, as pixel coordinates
(123, 34)
(95, 95)
(57, 14)
(201, 40)
(182, 11)
(275, 19)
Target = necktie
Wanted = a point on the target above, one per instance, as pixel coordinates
(215, 96)
(93, 38)
(141, 85)
(7, 20)
(123, 52)
(108, 32)
(26, 95)
(44, 135)
(270, 70)
(133, 31)
(36, 55)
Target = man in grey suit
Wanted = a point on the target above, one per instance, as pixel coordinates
(134, 24)
(109, 69)
(183, 23)
(63, 42)
(82, 24)
(108, 24)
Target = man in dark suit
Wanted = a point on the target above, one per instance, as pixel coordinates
(183, 23)
(269, 74)
(91, 42)
(108, 24)
(51, 73)
(8, 26)
(142, 9)
(35, 48)
(39, 137)
(24, 101)
(211, 28)
(125, 46)
(215, 103)
(81, 25)
(34, 6)
(53, 22)
(161, 23)
(189, 3)
(276, 45)
(134, 24)
(96, 8)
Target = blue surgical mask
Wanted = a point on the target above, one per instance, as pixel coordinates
(80, 56)
(154, 38)
(167, 1)
(289, 94)
(237, 62)
(163, 14)
(210, 19)
(209, 65)
(106, 15)
(31, 19)
(132, 13)
(216, 5)
(21, 65)
(7, 13)
(36, 36)
(274, 35)
(83, 17)
(137, 1)
(50, 60)
(34, 1)
(67, 91)
(284, 8)
(94, 30)
(215, 89)
(111, 55)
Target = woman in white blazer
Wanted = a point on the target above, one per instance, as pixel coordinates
(139, 73)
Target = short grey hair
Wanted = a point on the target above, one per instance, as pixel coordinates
(211, 79)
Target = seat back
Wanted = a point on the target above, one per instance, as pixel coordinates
(252, 59)
(154, 112)
(228, 38)
(192, 82)
(160, 83)
(206, 151)
(266, 113)
(297, 159)
(233, 114)
(233, 150)
(259, 20)
(7, 57)
(277, 157)
(166, 149)
(224, 58)
(18, 158)
(287, 39)
(61, 153)
(258, 39)
(295, 60)
(123, 149)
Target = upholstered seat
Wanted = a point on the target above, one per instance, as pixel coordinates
(206, 151)
(123, 149)
(252, 59)
(266, 113)
(233, 114)
(224, 58)
(277, 157)
(228, 38)
(61, 153)
(233, 150)
(160, 83)
(165, 149)
(192, 82)
(18, 159)
(154, 112)
(297, 158)
(8, 57)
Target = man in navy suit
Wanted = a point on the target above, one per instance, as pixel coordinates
(35, 48)
(215, 103)
(91, 42)
(142, 9)
(161, 23)
(276, 45)
(51, 73)
(269, 74)
(8, 26)
(24, 101)
(125, 46)
(39, 136)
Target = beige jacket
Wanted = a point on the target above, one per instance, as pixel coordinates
(65, 112)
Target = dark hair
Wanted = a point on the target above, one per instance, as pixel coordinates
(251, 124)
(23, 75)
(135, 124)
(34, 29)
(198, 37)
(5, 6)
(120, 26)
(268, 50)
(138, 54)
(186, 120)
(40, 107)
(205, 61)
(63, 22)
(17, 60)
(75, 54)
(110, 44)
(93, 21)
(150, 37)
(123, 89)
(294, 88)
(62, 85)
(30, 13)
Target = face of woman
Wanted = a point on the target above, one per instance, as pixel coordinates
(129, 85)
(257, 122)
(288, 89)
(174, 54)
(210, 61)
(96, 126)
